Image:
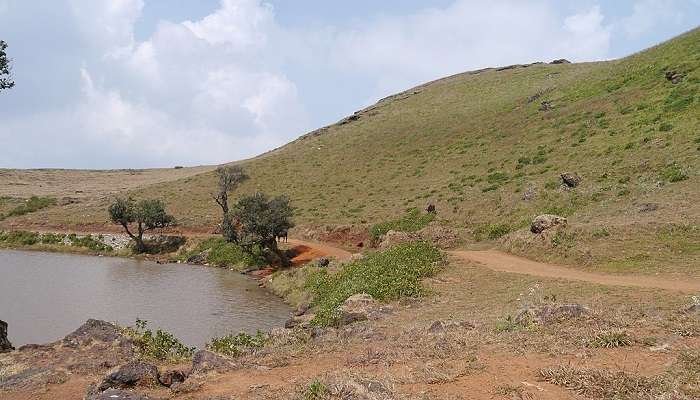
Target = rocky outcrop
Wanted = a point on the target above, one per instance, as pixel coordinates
(5, 344)
(674, 77)
(440, 236)
(199, 258)
(549, 313)
(32, 377)
(571, 179)
(547, 221)
(205, 361)
(131, 375)
(113, 394)
(561, 61)
(360, 307)
(91, 331)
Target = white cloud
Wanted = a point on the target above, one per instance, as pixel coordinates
(647, 14)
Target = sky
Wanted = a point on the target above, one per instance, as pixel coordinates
(157, 83)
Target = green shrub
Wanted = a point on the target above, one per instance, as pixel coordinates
(386, 276)
(316, 390)
(224, 254)
(674, 173)
(158, 345)
(235, 345)
(34, 203)
(52, 238)
(493, 231)
(413, 221)
(20, 238)
(89, 242)
(665, 127)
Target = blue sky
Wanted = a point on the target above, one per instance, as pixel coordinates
(142, 83)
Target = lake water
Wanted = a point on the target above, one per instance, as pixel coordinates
(44, 296)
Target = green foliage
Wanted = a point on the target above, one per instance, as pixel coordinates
(386, 276)
(88, 242)
(235, 345)
(159, 345)
(225, 254)
(20, 238)
(673, 173)
(316, 390)
(260, 219)
(665, 127)
(52, 238)
(5, 77)
(507, 325)
(146, 215)
(413, 221)
(610, 339)
(34, 203)
(493, 231)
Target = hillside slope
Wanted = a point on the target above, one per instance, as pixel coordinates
(488, 148)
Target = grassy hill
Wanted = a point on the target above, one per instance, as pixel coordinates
(488, 148)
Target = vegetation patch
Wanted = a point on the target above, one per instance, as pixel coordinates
(493, 231)
(610, 339)
(34, 203)
(673, 173)
(224, 254)
(159, 345)
(605, 384)
(235, 345)
(386, 276)
(413, 221)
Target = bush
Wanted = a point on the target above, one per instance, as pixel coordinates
(34, 203)
(89, 242)
(316, 390)
(386, 276)
(610, 339)
(159, 345)
(52, 238)
(235, 345)
(673, 173)
(22, 238)
(492, 231)
(413, 221)
(225, 254)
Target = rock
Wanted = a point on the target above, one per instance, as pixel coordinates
(393, 238)
(648, 207)
(439, 327)
(91, 331)
(171, 377)
(529, 194)
(693, 309)
(323, 262)
(112, 394)
(299, 321)
(546, 106)
(440, 236)
(546, 221)
(571, 179)
(302, 309)
(130, 375)
(32, 378)
(430, 208)
(199, 259)
(674, 77)
(360, 307)
(561, 61)
(5, 344)
(550, 313)
(205, 361)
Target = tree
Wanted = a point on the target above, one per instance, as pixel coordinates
(258, 220)
(145, 215)
(5, 76)
(230, 177)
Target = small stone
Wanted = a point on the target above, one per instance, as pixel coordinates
(546, 221)
(205, 361)
(571, 179)
(131, 375)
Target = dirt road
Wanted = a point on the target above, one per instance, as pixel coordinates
(499, 261)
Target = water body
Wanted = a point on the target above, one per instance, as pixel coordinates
(44, 296)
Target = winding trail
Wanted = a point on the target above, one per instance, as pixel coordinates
(503, 262)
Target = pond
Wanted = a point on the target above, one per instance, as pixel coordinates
(44, 296)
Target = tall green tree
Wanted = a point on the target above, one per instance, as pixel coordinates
(258, 220)
(141, 217)
(6, 81)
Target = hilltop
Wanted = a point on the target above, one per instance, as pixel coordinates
(488, 147)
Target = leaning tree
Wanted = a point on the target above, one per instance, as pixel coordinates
(230, 176)
(5, 75)
(142, 216)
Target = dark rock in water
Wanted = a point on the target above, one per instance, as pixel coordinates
(561, 61)
(171, 377)
(200, 258)
(91, 331)
(546, 221)
(205, 361)
(131, 375)
(550, 313)
(571, 179)
(5, 344)
(113, 394)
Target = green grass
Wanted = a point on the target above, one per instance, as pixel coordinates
(224, 254)
(33, 204)
(386, 276)
(235, 345)
(413, 221)
(158, 345)
(610, 339)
